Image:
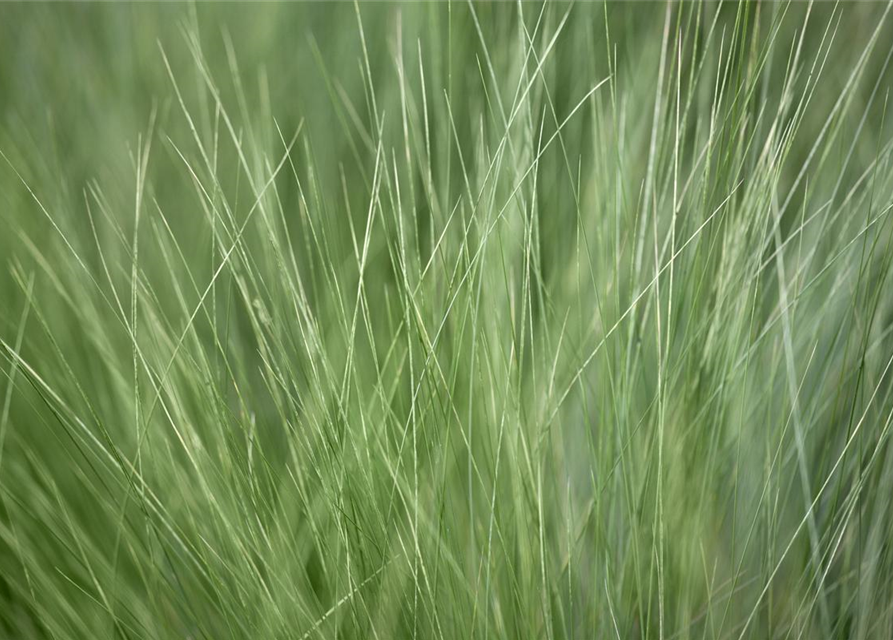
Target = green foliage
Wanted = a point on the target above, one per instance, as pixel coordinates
(445, 320)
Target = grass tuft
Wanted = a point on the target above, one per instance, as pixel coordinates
(446, 320)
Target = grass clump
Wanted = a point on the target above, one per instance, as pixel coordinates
(446, 320)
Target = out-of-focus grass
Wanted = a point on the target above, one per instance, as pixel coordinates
(445, 320)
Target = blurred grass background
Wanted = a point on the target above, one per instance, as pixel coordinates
(445, 320)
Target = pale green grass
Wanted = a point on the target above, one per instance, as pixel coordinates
(446, 321)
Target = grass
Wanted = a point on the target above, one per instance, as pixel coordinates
(446, 320)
